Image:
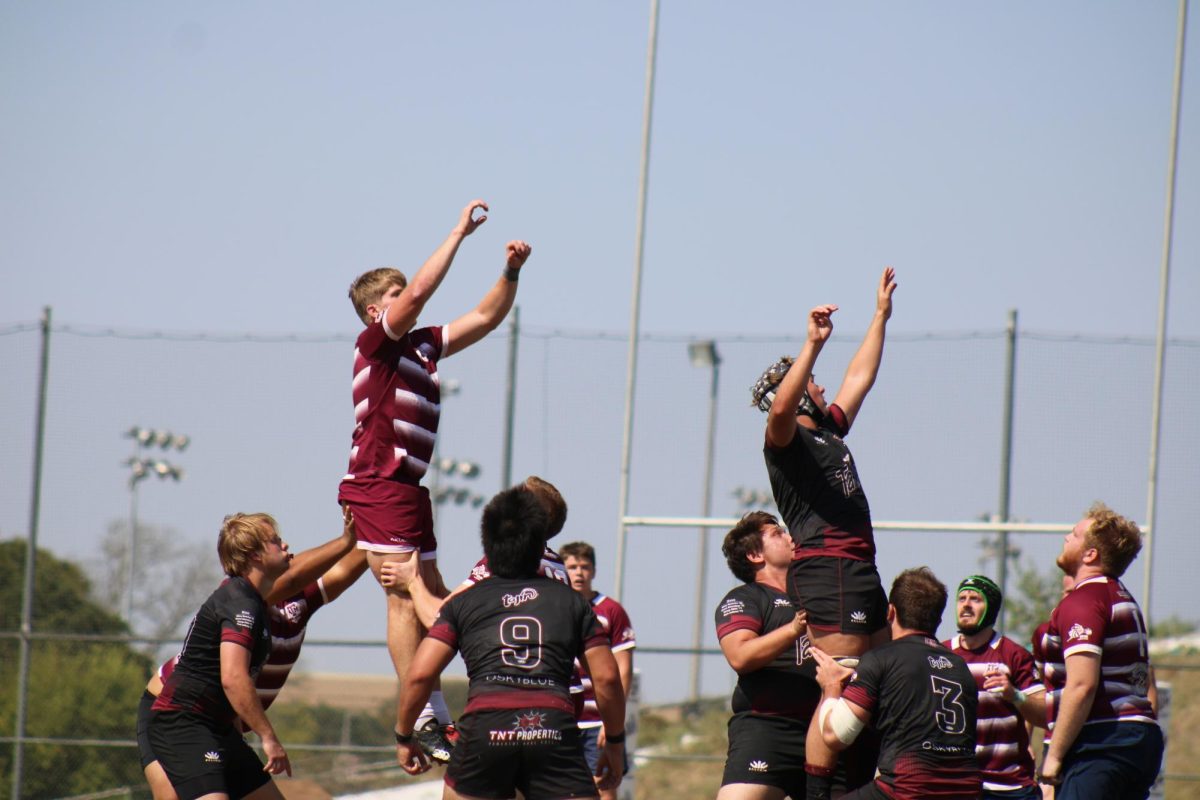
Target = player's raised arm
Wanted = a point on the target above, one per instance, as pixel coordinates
(864, 367)
(402, 313)
(491, 311)
(781, 419)
(311, 564)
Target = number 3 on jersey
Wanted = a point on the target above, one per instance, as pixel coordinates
(521, 642)
(952, 717)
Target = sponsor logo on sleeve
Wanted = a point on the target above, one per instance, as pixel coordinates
(244, 619)
(627, 635)
(731, 607)
(940, 662)
(292, 611)
(523, 596)
(1078, 632)
(479, 573)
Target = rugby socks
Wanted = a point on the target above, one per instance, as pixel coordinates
(818, 782)
(437, 706)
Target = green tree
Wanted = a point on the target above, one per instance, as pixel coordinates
(1029, 605)
(77, 690)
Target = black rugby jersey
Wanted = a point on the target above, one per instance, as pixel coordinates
(818, 493)
(785, 687)
(519, 638)
(922, 699)
(236, 613)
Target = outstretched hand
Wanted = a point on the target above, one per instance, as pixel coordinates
(887, 286)
(467, 221)
(517, 252)
(349, 531)
(820, 323)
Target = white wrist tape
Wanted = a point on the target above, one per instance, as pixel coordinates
(844, 723)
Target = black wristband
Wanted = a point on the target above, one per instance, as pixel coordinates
(618, 738)
(405, 738)
(512, 274)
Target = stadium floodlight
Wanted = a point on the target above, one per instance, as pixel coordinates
(141, 468)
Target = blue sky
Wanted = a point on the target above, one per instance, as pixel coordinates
(226, 168)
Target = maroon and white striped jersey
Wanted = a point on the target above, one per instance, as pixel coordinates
(287, 621)
(1038, 648)
(397, 402)
(1100, 616)
(551, 567)
(619, 631)
(1001, 740)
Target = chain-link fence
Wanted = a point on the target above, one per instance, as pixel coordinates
(269, 417)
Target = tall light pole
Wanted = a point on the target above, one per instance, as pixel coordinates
(447, 388)
(141, 467)
(704, 354)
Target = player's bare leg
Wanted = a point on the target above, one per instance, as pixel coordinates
(450, 794)
(819, 759)
(268, 791)
(160, 784)
(403, 627)
(749, 791)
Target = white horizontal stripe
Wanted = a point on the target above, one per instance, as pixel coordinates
(992, 750)
(277, 669)
(998, 723)
(411, 400)
(413, 371)
(387, 329)
(363, 375)
(1082, 648)
(988, 786)
(403, 428)
(267, 692)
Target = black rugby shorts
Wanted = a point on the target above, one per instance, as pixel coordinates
(535, 750)
(839, 594)
(145, 751)
(201, 756)
(768, 751)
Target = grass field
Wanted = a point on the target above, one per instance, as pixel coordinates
(685, 752)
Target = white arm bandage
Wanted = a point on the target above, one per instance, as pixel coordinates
(844, 723)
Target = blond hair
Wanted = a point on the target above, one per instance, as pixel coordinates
(1118, 540)
(552, 500)
(241, 537)
(369, 287)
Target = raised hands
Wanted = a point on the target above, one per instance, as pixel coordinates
(467, 221)
(516, 253)
(820, 324)
(883, 298)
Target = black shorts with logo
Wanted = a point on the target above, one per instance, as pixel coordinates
(839, 594)
(145, 751)
(768, 751)
(535, 750)
(201, 756)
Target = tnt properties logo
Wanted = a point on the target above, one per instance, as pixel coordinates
(527, 726)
